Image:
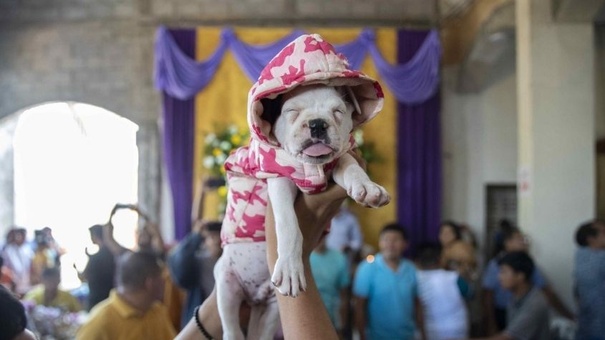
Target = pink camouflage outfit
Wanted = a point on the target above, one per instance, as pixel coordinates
(306, 60)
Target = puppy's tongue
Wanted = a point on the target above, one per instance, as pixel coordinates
(317, 150)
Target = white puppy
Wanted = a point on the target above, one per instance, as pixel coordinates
(314, 125)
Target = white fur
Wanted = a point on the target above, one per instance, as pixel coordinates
(291, 129)
(242, 269)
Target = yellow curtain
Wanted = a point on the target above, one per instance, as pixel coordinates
(223, 102)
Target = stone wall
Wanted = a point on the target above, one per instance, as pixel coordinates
(101, 52)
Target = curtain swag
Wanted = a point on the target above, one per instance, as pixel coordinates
(182, 77)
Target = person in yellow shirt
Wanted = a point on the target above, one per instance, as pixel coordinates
(133, 310)
(48, 293)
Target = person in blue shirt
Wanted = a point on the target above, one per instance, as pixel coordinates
(589, 280)
(385, 289)
(331, 273)
(496, 298)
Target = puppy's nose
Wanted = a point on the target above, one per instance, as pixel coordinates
(318, 128)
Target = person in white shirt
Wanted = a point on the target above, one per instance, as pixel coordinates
(442, 293)
(18, 257)
(345, 232)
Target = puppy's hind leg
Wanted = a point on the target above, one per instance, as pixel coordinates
(229, 296)
(264, 320)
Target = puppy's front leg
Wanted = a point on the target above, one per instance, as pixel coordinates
(288, 275)
(349, 175)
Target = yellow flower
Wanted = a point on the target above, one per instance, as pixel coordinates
(217, 152)
(222, 169)
(222, 191)
(236, 139)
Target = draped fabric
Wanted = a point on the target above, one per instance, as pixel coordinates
(178, 141)
(419, 157)
(182, 77)
(413, 80)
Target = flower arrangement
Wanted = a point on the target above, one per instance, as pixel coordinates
(367, 150)
(219, 146)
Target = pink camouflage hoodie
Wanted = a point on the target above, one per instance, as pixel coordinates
(306, 60)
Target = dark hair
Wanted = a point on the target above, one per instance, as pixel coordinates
(396, 227)
(455, 228)
(520, 262)
(12, 315)
(134, 268)
(506, 232)
(428, 254)
(214, 226)
(96, 231)
(585, 231)
(48, 273)
(1, 262)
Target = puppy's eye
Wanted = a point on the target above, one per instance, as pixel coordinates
(291, 113)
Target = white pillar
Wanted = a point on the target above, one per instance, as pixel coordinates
(555, 91)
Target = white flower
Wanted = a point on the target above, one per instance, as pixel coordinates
(220, 159)
(208, 162)
(211, 137)
(358, 136)
(232, 129)
(226, 145)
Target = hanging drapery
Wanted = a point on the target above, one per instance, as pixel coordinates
(178, 141)
(182, 77)
(419, 157)
(413, 80)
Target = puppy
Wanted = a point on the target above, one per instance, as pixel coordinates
(314, 127)
(301, 113)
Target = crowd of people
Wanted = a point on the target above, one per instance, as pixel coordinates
(154, 291)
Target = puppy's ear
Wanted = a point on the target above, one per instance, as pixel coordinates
(350, 96)
(271, 109)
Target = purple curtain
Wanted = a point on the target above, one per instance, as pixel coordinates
(178, 139)
(414, 81)
(419, 157)
(182, 77)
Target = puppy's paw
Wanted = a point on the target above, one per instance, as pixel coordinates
(369, 194)
(289, 276)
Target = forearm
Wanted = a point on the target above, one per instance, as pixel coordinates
(557, 304)
(419, 315)
(488, 312)
(305, 316)
(360, 317)
(208, 317)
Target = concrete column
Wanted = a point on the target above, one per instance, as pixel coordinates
(555, 91)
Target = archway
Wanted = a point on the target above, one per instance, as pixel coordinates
(72, 163)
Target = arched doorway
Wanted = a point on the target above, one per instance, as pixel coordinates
(72, 163)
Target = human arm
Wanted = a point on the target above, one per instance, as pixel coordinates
(182, 263)
(554, 300)
(108, 240)
(489, 284)
(360, 316)
(419, 316)
(488, 311)
(304, 317)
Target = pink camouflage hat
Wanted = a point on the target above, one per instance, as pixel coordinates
(309, 60)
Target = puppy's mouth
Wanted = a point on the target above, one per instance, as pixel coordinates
(315, 152)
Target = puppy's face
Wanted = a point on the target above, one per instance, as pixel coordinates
(314, 123)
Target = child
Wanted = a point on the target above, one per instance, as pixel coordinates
(442, 294)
